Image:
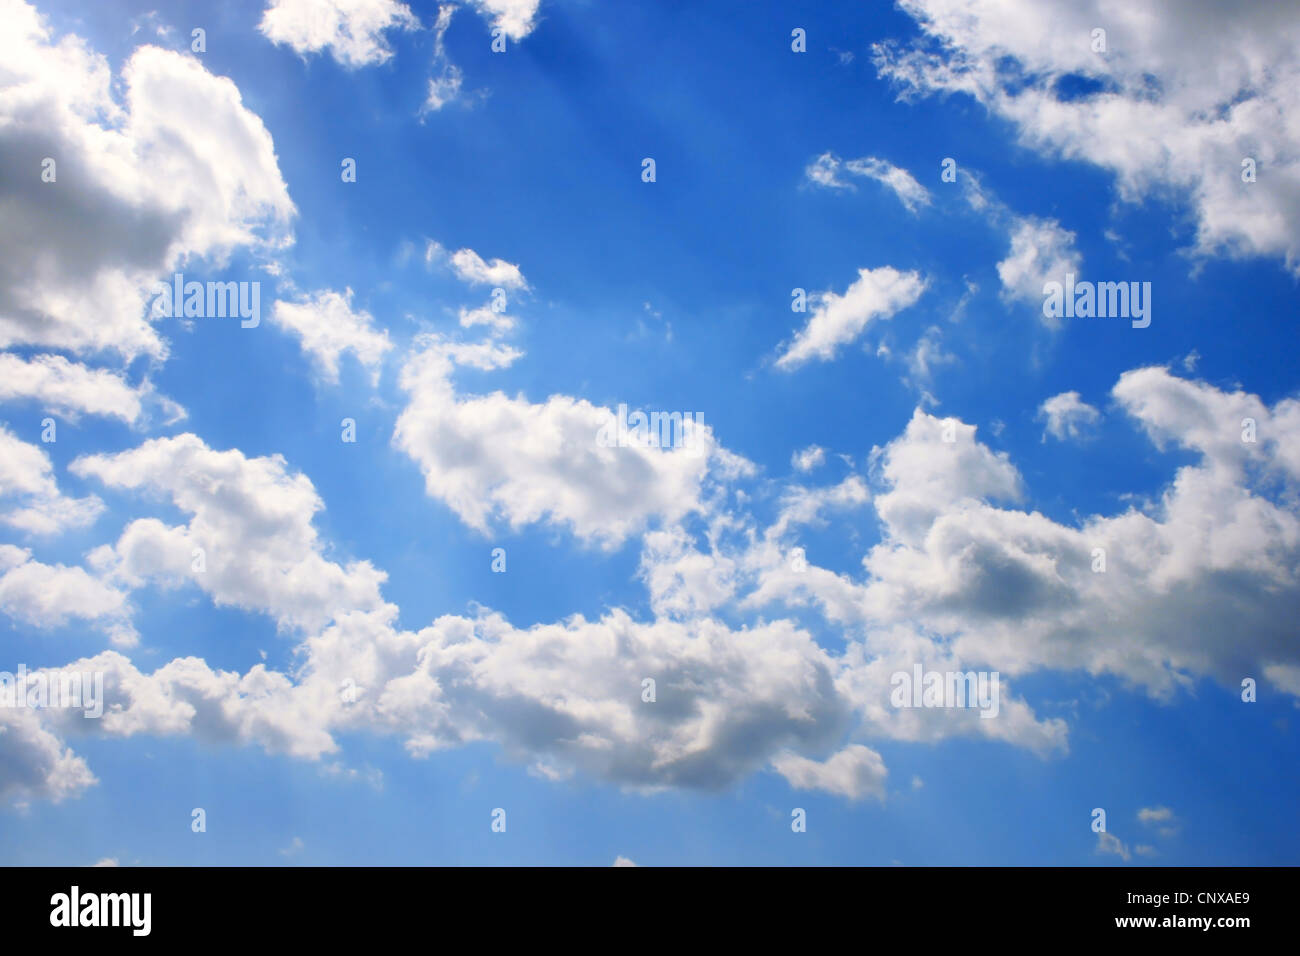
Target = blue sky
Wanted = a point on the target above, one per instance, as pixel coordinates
(369, 563)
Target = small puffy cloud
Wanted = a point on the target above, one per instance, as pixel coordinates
(854, 772)
(29, 496)
(443, 88)
(514, 18)
(622, 861)
(1067, 416)
(808, 458)
(327, 326)
(824, 171)
(838, 320)
(352, 31)
(1041, 251)
(471, 268)
(107, 861)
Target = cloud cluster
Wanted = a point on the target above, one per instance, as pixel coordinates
(1172, 105)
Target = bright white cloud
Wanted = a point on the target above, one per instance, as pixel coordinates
(515, 18)
(48, 596)
(470, 267)
(492, 455)
(252, 520)
(1041, 251)
(70, 389)
(29, 495)
(352, 31)
(838, 320)
(327, 326)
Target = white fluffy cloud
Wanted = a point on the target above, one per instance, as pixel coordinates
(48, 596)
(489, 456)
(71, 389)
(839, 319)
(327, 327)
(808, 458)
(515, 18)
(1067, 416)
(682, 580)
(1203, 578)
(470, 267)
(825, 170)
(1178, 101)
(29, 495)
(564, 697)
(352, 31)
(854, 772)
(1041, 251)
(473, 269)
(252, 520)
(177, 169)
